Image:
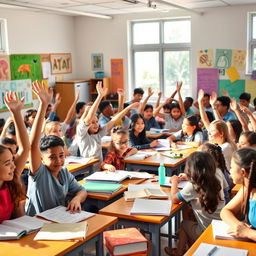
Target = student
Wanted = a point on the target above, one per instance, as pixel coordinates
(11, 190)
(239, 213)
(206, 103)
(9, 143)
(235, 129)
(118, 150)
(174, 120)
(137, 97)
(247, 140)
(106, 111)
(244, 100)
(137, 134)
(49, 183)
(29, 118)
(190, 134)
(188, 102)
(204, 192)
(89, 133)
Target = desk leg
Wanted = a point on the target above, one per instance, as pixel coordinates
(155, 239)
(170, 233)
(99, 245)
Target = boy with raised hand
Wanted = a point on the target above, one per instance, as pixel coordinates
(89, 133)
(49, 183)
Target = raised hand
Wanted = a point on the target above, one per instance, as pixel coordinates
(213, 98)
(224, 93)
(120, 91)
(178, 86)
(42, 94)
(245, 109)
(12, 102)
(150, 92)
(77, 95)
(134, 105)
(159, 94)
(200, 96)
(102, 92)
(57, 99)
(233, 104)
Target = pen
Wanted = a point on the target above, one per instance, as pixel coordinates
(212, 251)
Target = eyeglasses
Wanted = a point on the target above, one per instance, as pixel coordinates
(121, 143)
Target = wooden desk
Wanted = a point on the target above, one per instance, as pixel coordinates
(152, 163)
(157, 135)
(152, 224)
(27, 246)
(207, 237)
(235, 189)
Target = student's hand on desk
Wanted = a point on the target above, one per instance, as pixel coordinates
(109, 168)
(153, 143)
(239, 230)
(74, 205)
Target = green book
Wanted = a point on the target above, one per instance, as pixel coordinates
(101, 188)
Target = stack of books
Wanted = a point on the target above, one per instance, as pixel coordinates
(101, 188)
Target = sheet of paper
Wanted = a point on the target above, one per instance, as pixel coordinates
(77, 160)
(136, 187)
(233, 74)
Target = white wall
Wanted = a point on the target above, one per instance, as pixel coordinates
(224, 27)
(36, 32)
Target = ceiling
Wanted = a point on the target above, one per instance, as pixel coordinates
(108, 8)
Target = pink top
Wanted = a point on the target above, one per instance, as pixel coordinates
(6, 204)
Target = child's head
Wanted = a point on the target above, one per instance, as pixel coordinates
(254, 103)
(190, 125)
(148, 111)
(11, 132)
(48, 110)
(222, 104)
(9, 143)
(52, 152)
(206, 100)
(167, 108)
(244, 99)
(94, 126)
(234, 129)
(188, 102)
(247, 139)
(200, 169)
(175, 111)
(53, 128)
(80, 107)
(120, 139)
(106, 108)
(138, 124)
(218, 132)
(30, 117)
(138, 94)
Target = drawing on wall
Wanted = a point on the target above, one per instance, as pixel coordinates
(238, 59)
(61, 63)
(97, 62)
(232, 73)
(205, 58)
(23, 89)
(5, 72)
(223, 58)
(25, 66)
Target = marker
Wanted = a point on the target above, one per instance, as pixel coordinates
(212, 251)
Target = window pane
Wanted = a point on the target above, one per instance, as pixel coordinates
(254, 59)
(176, 68)
(254, 27)
(146, 33)
(147, 70)
(177, 31)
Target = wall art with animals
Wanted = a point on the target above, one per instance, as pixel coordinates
(5, 73)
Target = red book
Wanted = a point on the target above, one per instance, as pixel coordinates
(127, 241)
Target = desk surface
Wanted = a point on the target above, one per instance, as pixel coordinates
(121, 209)
(76, 167)
(207, 237)
(27, 246)
(159, 158)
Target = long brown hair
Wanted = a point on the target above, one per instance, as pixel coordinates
(16, 189)
(246, 158)
(200, 169)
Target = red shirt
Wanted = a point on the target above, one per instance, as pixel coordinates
(6, 204)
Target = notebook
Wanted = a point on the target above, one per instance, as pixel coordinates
(140, 155)
(151, 207)
(63, 231)
(206, 249)
(149, 193)
(155, 130)
(77, 160)
(59, 214)
(14, 229)
(181, 184)
(101, 188)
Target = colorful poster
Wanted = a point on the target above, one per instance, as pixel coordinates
(238, 59)
(232, 74)
(207, 79)
(117, 74)
(234, 89)
(61, 63)
(250, 87)
(223, 58)
(205, 58)
(26, 66)
(22, 87)
(5, 72)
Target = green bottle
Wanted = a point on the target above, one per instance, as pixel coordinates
(161, 174)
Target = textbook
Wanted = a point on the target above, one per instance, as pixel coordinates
(101, 188)
(168, 148)
(116, 177)
(140, 155)
(151, 207)
(219, 229)
(61, 231)
(145, 193)
(59, 214)
(172, 155)
(77, 160)
(14, 229)
(167, 183)
(126, 241)
(217, 250)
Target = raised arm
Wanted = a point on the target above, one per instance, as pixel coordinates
(157, 110)
(250, 115)
(87, 118)
(159, 95)
(121, 99)
(142, 106)
(202, 112)
(15, 106)
(213, 99)
(54, 107)
(44, 98)
(235, 108)
(6, 125)
(181, 104)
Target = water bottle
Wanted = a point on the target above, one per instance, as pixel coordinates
(161, 174)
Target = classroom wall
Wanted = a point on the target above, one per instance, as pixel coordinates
(37, 32)
(223, 27)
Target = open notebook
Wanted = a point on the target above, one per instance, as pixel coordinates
(77, 160)
(167, 183)
(140, 155)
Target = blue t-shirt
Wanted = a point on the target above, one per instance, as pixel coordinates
(103, 120)
(229, 116)
(252, 213)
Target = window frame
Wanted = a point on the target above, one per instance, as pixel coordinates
(160, 48)
(4, 47)
(251, 43)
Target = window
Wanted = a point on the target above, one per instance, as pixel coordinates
(251, 63)
(3, 37)
(160, 55)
